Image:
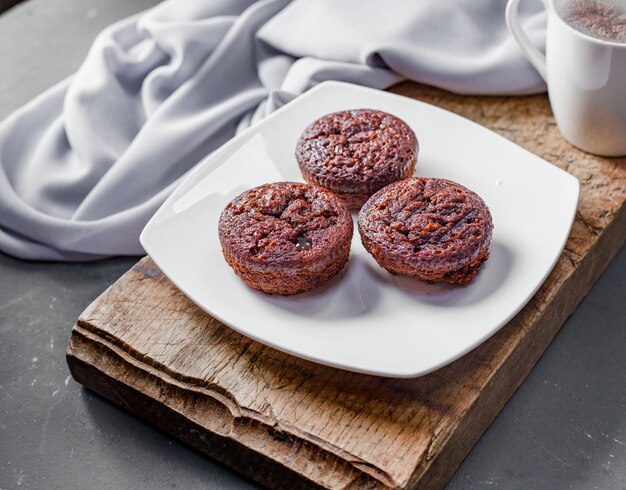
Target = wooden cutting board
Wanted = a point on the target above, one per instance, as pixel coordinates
(290, 423)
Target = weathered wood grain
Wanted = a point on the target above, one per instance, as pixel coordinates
(286, 422)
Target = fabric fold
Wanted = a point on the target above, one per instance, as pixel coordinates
(85, 165)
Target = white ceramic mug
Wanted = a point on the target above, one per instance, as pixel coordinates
(586, 80)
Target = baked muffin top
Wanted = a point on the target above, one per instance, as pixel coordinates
(432, 225)
(284, 223)
(358, 150)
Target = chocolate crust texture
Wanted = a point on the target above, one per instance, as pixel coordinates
(357, 152)
(432, 229)
(286, 238)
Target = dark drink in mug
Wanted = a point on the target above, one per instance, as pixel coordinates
(602, 19)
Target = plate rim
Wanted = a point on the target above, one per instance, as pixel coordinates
(332, 85)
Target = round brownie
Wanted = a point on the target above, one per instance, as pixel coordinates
(432, 229)
(287, 237)
(355, 153)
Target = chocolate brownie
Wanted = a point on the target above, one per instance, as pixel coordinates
(355, 153)
(287, 237)
(432, 229)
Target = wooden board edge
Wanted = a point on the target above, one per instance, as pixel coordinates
(456, 443)
(88, 364)
(103, 371)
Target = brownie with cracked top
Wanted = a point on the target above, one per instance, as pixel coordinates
(286, 237)
(357, 152)
(432, 229)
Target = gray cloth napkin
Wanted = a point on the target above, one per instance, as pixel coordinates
(86, 164)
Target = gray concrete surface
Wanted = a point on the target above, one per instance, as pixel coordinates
(564, 428)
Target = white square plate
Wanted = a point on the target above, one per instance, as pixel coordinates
(367, 320)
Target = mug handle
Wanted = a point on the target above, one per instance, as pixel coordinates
(535, 56)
